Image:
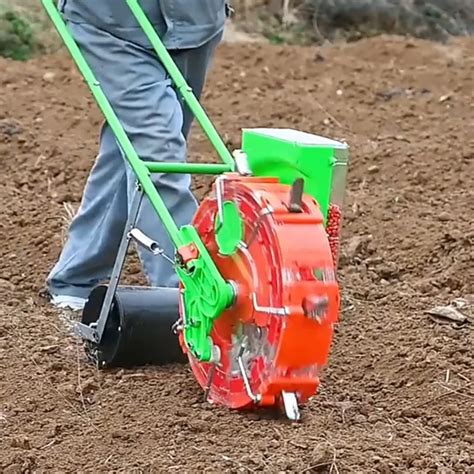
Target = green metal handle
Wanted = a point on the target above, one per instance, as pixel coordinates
(180, 83)
(206, 293)
(192, 168)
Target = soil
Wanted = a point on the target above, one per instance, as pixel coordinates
(397, 395)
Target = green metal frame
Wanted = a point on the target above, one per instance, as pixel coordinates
(206, 294)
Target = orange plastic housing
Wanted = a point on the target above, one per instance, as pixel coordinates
(287, 298)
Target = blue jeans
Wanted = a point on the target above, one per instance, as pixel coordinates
(157, 124)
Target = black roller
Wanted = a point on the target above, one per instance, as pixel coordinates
(139, 327)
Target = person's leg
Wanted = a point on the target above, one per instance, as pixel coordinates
(94, 234)
(194, 64)
(142, 96)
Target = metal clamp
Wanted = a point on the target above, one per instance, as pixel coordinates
(290, 402)
(242, 163)
(149, 244)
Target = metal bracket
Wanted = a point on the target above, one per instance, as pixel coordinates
(220, 203)
(290, 403)
(241, 163)
(215, 360)
(267, 211)
(95, 331)
(296, 196)
(149, 244)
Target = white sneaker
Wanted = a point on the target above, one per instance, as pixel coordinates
(74, 303)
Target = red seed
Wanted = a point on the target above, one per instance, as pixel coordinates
(333, 229)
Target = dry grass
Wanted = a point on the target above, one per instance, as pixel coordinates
(321, 20)
(309, 20)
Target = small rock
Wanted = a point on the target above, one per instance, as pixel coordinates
(469, 439)
(373, 261)
(13, 469)
(50, 349)
(56, 366)
(68, 389)
(388, 270)
(119, 374)
(424, 286)
(445, 98)
(360, 419)
(354, 246)
(49, 76)
(37, 358)
(10, 127)
(373, 169)
(136, 376)
(390, 94)
(410, 413)
(89, 385)
(54, 431)
(451, 410)
(206, 416)
(197, 426)
(6, 285)
(445, 426)
(274, 443)
(454, 234)
(319, 58)
(22, 442)
(119, 434)
(444, 217)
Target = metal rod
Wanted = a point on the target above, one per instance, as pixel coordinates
(193, 168)
(138, 166)
(181, 85)
(248, 389)
(210, 378)
(220, 204)
(95, 331)
(118, 265)
(261, 309)
(267, 211)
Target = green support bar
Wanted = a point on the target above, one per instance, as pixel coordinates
(193, 168)
(181, 85)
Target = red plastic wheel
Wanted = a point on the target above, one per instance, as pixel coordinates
(287, 297)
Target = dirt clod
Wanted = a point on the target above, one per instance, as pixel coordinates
(22, 442)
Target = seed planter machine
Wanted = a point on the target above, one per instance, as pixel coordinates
(258, 298)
